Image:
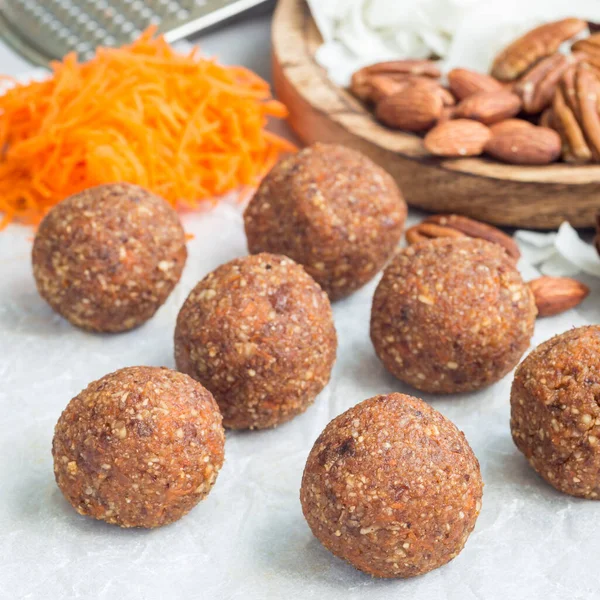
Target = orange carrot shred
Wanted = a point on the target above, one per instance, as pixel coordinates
(183, 126)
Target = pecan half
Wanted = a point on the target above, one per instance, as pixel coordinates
(424, 67)
(380, 86)
(547, 118)
(525, 51)
(590, 46)
(587, 87)
(536, 88)
(459, 226)
(429, 231)
(398, 70)
(555, 295)
(567, 85)
(575, 146)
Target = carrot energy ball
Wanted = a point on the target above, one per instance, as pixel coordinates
(107, 258)
(139, 447)
(555, 412)
(451, 315)
(258, 333)
(332, 210)
(392, 487)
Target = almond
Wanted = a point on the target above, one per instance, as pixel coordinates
(464, 83)
(460, 137)
(415, 108)
(525, 51)
(554, 295)
(532, 146)
(489, 107)
(510, 125)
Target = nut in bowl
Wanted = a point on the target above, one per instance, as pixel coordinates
(554, 91)
(461, 179)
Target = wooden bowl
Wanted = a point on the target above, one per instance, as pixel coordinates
(531, 197)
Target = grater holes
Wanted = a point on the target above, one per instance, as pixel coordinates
(55, 27)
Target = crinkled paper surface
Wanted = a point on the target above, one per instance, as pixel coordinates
(248, 539)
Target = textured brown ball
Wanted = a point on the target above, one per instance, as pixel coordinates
(333, 211)
(139, 447)
(451, 315)
(107, 258)
(392, 487)
(258, 332)
(555, 412)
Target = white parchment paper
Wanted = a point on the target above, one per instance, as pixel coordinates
(248, 539)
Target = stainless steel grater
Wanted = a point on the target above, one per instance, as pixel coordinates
(44, 30)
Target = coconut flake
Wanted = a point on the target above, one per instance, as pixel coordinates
(571, 247)
(558, 254)
(464, 33)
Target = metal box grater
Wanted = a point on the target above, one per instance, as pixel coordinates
(44, 30)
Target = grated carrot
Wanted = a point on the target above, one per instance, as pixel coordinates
(182, 126)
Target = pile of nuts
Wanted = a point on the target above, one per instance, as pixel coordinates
(538, 105)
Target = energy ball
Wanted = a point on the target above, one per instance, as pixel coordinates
(333, 211)
(451, 315)
(139, 447)
(392, 487)
(555, 416)
(107, 258)
(258, 332)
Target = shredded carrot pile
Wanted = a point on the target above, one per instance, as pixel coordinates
(182, 126)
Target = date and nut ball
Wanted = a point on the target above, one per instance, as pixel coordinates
(332, 210)
(139, 447)
(555, 411)
(258, 332)
(392, 487)
(452, 315)
(107, 258)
